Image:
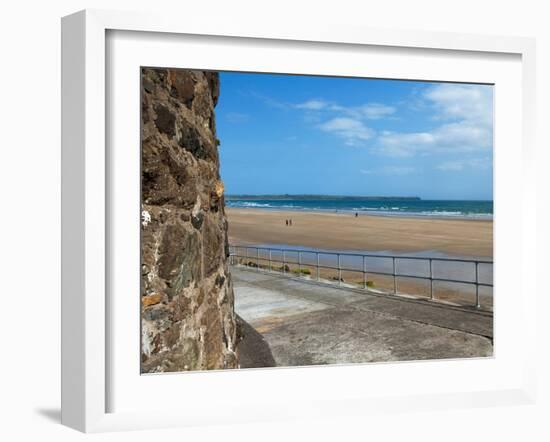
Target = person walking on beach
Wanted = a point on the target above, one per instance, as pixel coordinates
(290, 222)
(286, 222)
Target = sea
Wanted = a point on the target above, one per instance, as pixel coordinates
(471, 209)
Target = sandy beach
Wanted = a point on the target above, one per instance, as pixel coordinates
(344, 231)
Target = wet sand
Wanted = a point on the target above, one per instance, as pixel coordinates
(344, 231)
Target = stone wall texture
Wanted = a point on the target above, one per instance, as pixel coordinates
(188, 320)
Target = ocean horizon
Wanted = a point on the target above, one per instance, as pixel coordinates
(383, 206)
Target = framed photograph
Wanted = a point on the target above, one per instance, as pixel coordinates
(294, 222)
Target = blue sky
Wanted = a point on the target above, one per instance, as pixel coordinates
(343, 136)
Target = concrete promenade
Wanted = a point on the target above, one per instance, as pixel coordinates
(290, 322)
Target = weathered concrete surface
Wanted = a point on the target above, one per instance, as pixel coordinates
(308, 324)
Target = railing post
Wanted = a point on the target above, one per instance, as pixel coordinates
(431, 281)
(246, 252)
(257, 259)
(478, 305)
(394, 280)
(364, 273)
(284, 261)
(339, 271)
(318, 278)
(299, 264)
(270, 260)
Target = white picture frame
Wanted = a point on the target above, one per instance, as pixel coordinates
(85, 307)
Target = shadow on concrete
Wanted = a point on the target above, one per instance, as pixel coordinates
(51, 414)
(254, 351)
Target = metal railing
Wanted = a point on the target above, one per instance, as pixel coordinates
(254, 255)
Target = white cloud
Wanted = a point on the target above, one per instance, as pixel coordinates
(462, 136)
(469, 111)
(347, 122)
(458, 165)
(351, 130)
(469, 102)
(451, 166)
(368, 111)
(389, 170)
(464, 113)
(312, 105)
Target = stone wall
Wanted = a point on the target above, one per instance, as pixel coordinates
(188, 320)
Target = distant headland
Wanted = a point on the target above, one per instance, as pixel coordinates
(308, 197)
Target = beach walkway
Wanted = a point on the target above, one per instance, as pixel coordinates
(290, 322)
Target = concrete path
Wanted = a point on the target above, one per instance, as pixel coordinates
(289, 322)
